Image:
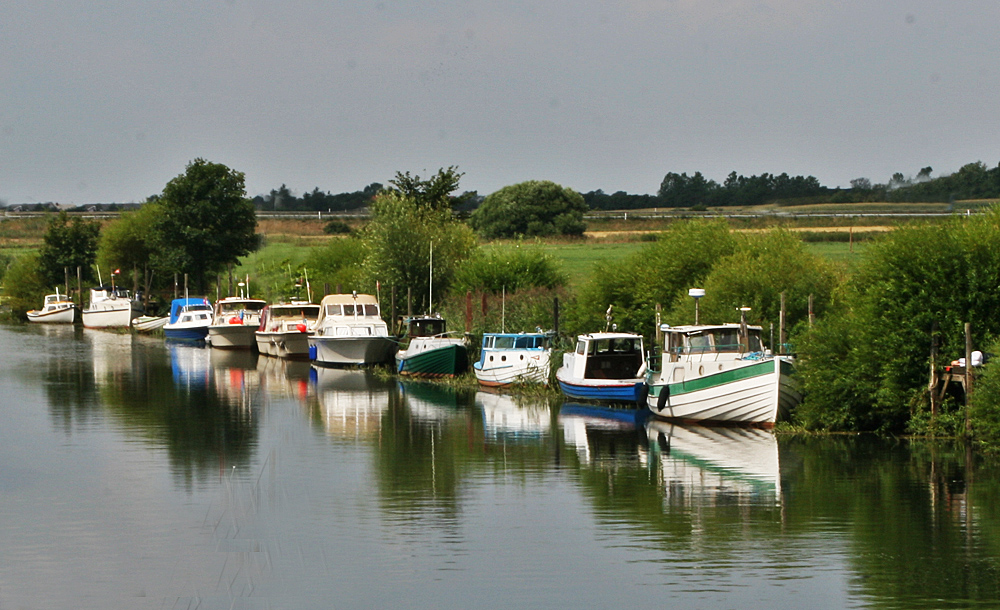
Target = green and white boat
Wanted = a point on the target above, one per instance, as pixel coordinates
(430, 351)
(723, 374)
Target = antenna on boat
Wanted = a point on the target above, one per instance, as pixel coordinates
(503, 309)
(607, 318)
(100, 282)
(430, 285)
(696, 293)
(309, 294)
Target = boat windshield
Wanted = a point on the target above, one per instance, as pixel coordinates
(360, 309)
(616, 346)
(721, 340)
(426, 328)
(309, 312)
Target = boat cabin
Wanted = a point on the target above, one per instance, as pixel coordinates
(680, 341)
(608, 356)
(197, 309)
(425, 326)
(532, 341)
(351, 315)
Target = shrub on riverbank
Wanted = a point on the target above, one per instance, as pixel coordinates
(865, 367)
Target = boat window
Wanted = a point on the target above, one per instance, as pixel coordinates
(699, 343)
(333, 310)
(623, 346)
(370, 310)
(349, 309)
(488, 342)
(726, 340)
(581, 347)
(524, 342)
(426, 328)
(362, 331)
(504, 342)
(755, 344)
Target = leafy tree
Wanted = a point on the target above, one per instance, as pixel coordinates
(534, 208)
(69, 244)
(657, 273)
(434, 192)
(398, 241)
(337, 263)
(205, 221)
(761, 267)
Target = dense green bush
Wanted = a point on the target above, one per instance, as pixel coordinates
(24, 286)
(866, 367)
(510, 269)
(658, 273)
(337, 263)
(337, 227)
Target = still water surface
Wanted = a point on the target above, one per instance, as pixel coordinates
(135, 474)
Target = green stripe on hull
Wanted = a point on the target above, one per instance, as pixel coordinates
(717, 379)
(441, 362)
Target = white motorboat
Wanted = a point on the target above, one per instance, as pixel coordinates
(234, 323)
(285, 328)
(721, 373)
(351, 331)
(605, 366)
(57, 309)
(508, 358)
(110, 307)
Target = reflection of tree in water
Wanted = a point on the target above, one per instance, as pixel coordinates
(916, 538)
(204, 425)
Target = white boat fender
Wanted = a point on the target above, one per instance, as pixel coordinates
(663, 400)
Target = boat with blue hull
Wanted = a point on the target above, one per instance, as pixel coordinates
(607, 367)
(189, 319)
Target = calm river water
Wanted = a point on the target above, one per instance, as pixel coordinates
(135, 474)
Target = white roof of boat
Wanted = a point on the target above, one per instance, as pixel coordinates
(611, 336)
(703, 327)
(347, 299)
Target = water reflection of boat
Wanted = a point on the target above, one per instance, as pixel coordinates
(594, 430)
(191, 365)
(429, 402)
(111, 353)
(283, 377)
(712, 462)
(235, 374)
(351, 401)
(504, 417)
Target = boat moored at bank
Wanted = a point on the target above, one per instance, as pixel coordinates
(57, 309)
(285, 329)
(605, 367)
(723, 374)
(189, 319)
(234, 322)
(508, 358)
(110, 307)
(430, 351)
(351, 331)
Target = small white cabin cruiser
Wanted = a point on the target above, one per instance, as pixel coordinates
(285, 328)
(110, 307)
(234, 323)
(58, 309)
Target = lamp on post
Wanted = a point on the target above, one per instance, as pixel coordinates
(696, 293)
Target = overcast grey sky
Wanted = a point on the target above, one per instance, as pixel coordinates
(107, 100)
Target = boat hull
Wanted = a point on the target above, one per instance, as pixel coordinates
(347, 351)
(232, 336)
(59, 316)
(443, 361)
(112, 315)
(757, 393)
(294, 345)
(626, 390)
(521, 367)
(197, 333)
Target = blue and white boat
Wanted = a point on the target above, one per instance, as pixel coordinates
(508, 358)
(607, 367)
(189, 319)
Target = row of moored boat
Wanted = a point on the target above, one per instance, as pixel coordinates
(720, 373)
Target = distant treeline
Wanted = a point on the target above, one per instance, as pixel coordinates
(972, 181)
